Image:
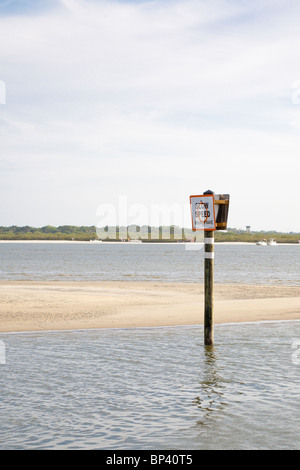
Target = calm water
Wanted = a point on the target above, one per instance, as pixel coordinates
(156, 388)
(151, 388)
(92, 261)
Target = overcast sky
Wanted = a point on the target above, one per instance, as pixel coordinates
(140, 104)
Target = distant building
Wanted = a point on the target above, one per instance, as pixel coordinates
(248, 228)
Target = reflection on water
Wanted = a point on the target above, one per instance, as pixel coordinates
(209, 400)
(210, 390)
(151, 388)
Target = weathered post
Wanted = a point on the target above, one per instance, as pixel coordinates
(209, 281)
(209, 288)
(209, 213)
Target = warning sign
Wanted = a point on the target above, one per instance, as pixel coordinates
(203, 212)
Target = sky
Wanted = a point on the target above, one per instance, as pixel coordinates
(117, 111)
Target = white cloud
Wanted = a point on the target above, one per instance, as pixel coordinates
(141, 98)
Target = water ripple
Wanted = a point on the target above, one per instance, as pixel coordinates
(145, 262)
(151, 389)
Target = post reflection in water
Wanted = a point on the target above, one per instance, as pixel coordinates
(210, 399)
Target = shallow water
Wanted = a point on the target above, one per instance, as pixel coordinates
(152, 388)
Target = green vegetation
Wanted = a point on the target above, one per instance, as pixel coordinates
(63, 232)
(234, 235)
(145, 233)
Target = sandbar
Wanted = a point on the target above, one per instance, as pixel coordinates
(55, 305)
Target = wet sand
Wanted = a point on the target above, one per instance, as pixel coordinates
(40, 306)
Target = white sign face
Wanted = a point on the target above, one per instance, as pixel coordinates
(203, 212)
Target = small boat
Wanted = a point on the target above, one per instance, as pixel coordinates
(262, 242)
(272, 242)
(97, 240)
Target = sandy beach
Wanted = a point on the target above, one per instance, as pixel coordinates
(40, 306)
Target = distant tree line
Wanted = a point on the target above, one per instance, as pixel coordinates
(136, 232)
(48, 232)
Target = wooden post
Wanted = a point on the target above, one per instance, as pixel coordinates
(209, 213)
(209, 287)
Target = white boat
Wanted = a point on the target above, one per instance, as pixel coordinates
(135, 241)
(99, 241)
(272, 242)
(262, 242)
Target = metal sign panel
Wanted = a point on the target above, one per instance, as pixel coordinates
(203, 212)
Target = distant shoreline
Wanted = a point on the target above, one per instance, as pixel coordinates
(144, 242)
(120, 243)
(135, 233)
